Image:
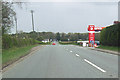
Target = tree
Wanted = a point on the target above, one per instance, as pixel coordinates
(40, 38)
(58, 36)
(97, 36)
(109, 36)
(7, 16)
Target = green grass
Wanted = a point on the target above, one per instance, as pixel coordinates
(0, 60)
(66, 42)
(69, 43)
(109, 48)
(42, 43)
(12, 54)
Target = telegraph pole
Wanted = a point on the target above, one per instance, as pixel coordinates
(32, 20)
(16, 25)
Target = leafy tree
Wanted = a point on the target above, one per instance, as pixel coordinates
(58, 36)
(7, 16)
(109, 36)
(40, 38)
(97, 36)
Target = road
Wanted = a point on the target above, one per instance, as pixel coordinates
(65, 61)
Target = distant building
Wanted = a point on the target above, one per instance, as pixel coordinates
(83, 43)
(86, 43)
(46, 40)
(116, 22)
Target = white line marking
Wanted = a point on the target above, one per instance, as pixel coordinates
(77, 55)
(70, 51)
(94, 65)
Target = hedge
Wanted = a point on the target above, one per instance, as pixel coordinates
(9, 42)
(109, 36)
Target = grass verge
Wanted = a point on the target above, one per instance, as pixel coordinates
(109, 48)
(42, 43)
(13, 54)
(69, 43)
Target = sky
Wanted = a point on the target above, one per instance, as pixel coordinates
(66, 16)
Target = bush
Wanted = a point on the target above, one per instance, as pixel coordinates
(9, 42)
(109, 35)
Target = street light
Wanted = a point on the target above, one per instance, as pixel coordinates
(32, 19)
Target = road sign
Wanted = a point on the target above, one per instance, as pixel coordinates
(91, 28)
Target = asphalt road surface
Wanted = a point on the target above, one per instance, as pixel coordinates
(65, 61)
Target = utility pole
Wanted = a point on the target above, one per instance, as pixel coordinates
(32, 20)
(16, 25)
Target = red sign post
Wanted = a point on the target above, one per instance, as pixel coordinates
(91, 34)
(92, 38)
(92, 29)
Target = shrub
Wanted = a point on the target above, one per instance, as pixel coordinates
(109, 36)
(9, 42)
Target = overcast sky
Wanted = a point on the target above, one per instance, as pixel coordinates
(66, 16)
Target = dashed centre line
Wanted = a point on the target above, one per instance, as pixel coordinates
(94, 65)
(71, 51)
(91, 63)
(77, 55)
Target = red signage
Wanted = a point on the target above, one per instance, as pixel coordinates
(91, 28)
(99, 28)
(92, 38)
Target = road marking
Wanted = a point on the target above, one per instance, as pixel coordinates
(77, 55)
(70, 51)
(94, 65)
